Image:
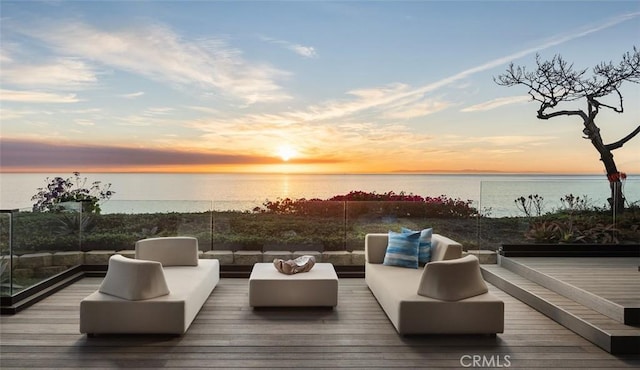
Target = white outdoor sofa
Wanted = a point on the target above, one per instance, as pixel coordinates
(159, 292)
(447, 296)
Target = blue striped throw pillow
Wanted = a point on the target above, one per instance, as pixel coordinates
(424, 244)
(402, 250)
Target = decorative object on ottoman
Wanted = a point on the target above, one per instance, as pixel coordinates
(315, 288)
(290, 267)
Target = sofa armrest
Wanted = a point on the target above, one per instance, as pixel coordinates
(375, 246)
(443, 248)
(134, 279)
(452, 280)
(170, 251)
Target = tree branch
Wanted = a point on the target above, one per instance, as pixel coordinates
(619, 109)
(542, 115)
(621, 142)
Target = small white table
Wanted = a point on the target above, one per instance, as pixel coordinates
(270, 288)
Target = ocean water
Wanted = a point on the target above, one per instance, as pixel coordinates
(159, 192)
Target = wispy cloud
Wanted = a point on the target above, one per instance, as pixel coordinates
(305, 51)
(503, 140)
(152, 116)
(160, 54)
(203, 109)
(496, 103)
(80, 111)
(157, 111)
(10, 114)
(4, 55)
(36, 97)
(302, 50)
(84, 122)
(133, 95)
(419, 109)
(61, 74)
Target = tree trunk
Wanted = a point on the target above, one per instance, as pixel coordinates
(617, 198)
(616, 202)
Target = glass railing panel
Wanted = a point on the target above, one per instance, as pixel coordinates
(573, 210)
(6, 219)
(234, 226)
(122, 223)
(454, 218)
(155, 206)
(281, 225)
(500, 221)
(627, 222)
(46, 243)
(369, 217)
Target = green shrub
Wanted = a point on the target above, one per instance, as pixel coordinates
(361, 204)
(109, 241)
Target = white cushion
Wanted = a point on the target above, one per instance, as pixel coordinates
(452, 280)
(134, 279)
(170, 251)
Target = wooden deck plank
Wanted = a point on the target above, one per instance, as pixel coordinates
(227, 333)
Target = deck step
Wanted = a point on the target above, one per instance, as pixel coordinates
(629, 315)
(605, 332)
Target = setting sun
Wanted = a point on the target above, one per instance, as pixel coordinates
(286, 152)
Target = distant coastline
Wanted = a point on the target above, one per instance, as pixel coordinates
(496, 172)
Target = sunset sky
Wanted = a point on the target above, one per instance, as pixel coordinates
(300, 86)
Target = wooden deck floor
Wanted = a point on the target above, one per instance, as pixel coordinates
(229, 334)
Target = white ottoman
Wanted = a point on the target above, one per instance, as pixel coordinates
(270, 288)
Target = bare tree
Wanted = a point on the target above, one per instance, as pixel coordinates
(555, 81)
